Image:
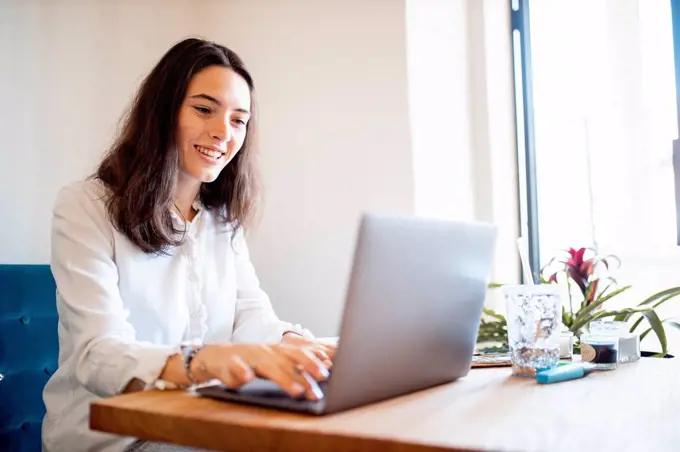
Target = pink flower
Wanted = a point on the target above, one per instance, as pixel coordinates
(581, 270)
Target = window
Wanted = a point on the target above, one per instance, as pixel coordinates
(599, 119)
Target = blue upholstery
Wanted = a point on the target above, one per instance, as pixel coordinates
(28, 352)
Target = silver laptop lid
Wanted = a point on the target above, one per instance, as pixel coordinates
(413, 307)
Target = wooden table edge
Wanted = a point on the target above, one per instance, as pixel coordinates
(293, 439)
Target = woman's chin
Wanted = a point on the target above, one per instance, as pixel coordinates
(202, 175)
(208, 178)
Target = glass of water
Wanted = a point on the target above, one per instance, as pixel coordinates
(534, 326)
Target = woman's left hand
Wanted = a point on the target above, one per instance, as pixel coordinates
(325, 352)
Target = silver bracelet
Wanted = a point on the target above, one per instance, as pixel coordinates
(188, 352)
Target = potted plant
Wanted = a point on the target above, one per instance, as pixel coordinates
(590, 285)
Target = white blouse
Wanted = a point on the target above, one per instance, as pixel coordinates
(123, 312)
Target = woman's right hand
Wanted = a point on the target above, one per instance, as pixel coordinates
(295, 369)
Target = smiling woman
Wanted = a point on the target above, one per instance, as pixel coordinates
(150, 259)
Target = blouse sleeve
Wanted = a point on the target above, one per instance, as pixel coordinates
(105, 354)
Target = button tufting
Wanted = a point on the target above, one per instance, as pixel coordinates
(24, 426)
(48, 371)
(25, 320)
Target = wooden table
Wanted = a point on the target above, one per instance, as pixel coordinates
(636, 407)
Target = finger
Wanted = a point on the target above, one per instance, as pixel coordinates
(295, 362)
(234, 372)
(324, 352)
(330, 349)
(307, 361)
(240, 371)
(313, 390)
(274, 368)
(268, 362)
(323, 357)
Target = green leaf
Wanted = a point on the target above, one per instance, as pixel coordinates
(605, 260)
(590, 288)
(581, 322)
(494, 285)
(571, 304)
(673, 324)
(599, 302)
(612, 282)
(552, 261)
(664, 299)
(645, 333)
(491, 313)
(664, 294)
(566, 318)
(669, 322)
(656, 324)
(635, 325)
(622, 317)
(659, 298)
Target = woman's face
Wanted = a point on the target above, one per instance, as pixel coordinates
(212, 122)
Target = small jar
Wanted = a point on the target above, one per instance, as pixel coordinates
(629, 343)
(601, 350)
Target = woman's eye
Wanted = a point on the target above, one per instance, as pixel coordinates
(202, 110)
(240, 122)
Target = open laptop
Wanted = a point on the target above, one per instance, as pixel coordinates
(411, 315)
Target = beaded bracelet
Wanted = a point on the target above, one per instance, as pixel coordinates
(188, 352)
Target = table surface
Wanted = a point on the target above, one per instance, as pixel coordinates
(636, 407)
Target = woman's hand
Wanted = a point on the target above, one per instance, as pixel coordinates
(294, 368)
(324, 352)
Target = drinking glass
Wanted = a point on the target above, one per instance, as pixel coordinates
(534, 326)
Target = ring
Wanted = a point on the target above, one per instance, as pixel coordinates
(299, 368)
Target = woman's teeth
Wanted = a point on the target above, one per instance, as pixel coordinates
(208, 152)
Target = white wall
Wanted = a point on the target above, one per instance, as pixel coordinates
(335, 137)
(334, 79)
(68, 71)
(461, 111)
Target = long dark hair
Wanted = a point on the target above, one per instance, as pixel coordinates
(140, 169)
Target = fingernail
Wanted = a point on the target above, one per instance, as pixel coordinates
(297, 388)
(324, 372)
(328, 363)
(317, 391)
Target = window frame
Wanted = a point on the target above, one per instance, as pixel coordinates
(524, 118)
(525, 140)
(675, 17)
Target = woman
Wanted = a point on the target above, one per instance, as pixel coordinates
(155, 285)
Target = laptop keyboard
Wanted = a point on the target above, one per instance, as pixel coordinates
(266, 388)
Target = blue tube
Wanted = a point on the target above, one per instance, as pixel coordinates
(563, 373)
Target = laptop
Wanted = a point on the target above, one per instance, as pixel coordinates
(410, 319)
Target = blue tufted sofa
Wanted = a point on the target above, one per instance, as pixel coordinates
(28, 352)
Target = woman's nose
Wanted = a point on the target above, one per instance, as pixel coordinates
(221, 131)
